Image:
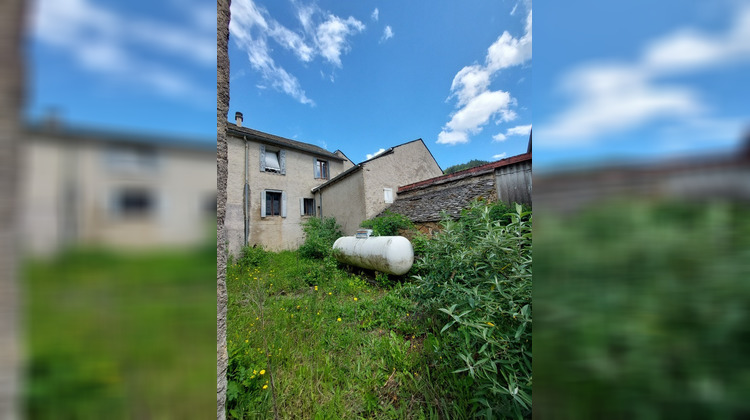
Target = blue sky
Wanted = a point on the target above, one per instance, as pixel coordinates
(363, 76)
(139, 66)
(639, 80)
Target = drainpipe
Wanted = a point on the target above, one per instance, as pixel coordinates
(247, 193)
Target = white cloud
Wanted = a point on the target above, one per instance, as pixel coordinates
(469, 82)
(130, 48)
(321, 35)
(499, 156)
(519, 130)
(375, 14)
(372, 155)
(476, 104)
(608, 98)
(387, 34)
(452, 137)
(478, 111)
(331, 37)
(507, 51)
(513, 12)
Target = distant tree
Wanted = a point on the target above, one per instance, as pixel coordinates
(470, 164)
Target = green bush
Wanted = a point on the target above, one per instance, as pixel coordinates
(251, 256)
(474, 280)
(320, 234)
(388, 225)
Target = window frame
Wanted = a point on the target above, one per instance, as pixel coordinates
(305, 204)
(264, 203)
(280, 157)
(320, 166)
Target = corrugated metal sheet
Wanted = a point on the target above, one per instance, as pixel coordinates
(513, 183)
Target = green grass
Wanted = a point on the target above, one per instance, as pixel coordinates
(121, 336)
(327, 355)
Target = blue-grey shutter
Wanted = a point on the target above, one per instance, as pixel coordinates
(283, 204)
(316, 173)
(314, 208)
(263, 166)
(282, 158)
(263, 204)
(301, 206)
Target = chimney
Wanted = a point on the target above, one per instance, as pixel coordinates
(238, 118)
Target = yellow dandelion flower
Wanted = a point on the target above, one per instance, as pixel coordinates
(490, 324)
(246, 341)
(339, 319)
(316, 288)
(265, 386)
(263, 372)
(355, 299)
(329, 293)
(255, 371)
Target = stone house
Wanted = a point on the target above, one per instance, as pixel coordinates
(121, 190)
(269, 185)
(366, 189)
(275, 184)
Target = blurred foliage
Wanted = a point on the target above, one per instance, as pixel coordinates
(116, 336)
(645, 312)
(460, 167)
(320, 234)
(474, 281)
(389, 224)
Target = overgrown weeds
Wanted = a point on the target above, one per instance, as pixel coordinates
(474, 282)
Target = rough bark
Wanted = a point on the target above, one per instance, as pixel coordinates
(11, 91)
(222, 108)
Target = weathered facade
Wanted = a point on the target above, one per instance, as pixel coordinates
(269, 187)
(507, 180)
(366, 189)
(123, 190)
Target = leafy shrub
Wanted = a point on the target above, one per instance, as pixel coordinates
(474, 280)
(252, 256)
(388, 224)
(320, 234)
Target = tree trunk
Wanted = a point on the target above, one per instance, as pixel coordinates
(11, 96)
(222, 108)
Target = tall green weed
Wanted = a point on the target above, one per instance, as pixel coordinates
(320, 234)
(474, 280)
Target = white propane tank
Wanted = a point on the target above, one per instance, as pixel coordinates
(388, 254)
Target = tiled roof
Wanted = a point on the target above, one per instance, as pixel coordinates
(233, 130)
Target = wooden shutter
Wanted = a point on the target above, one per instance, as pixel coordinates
(263, 204)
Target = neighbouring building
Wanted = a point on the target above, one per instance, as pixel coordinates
(269, 187)
(424, 203)
(122, 190)
(366, 189)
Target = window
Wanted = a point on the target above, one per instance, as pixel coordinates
(388, 195)
(273, 161)
(321, 169)
(307, 206)
(131, 202)
(273, 203)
